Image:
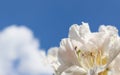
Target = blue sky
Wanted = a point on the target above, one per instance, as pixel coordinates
(50, 19)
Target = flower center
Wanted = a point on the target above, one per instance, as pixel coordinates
(91, 59)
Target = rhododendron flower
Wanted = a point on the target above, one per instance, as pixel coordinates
(88, 53)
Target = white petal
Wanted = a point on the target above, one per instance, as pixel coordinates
(66, 52)
(114, 50)
(53, 57)
(79, 32)
(116, 65)
(74, 32)
(62, 68)
(106, 32)
(111, 30)
(74, 70)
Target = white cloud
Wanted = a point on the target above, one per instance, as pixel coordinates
(20, 53)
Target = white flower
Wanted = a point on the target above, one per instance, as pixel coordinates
(53, 59)
(89, 53)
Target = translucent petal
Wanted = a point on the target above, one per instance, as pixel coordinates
(74, 70)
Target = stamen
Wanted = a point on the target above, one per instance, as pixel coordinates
(75, 47)
(89, 59)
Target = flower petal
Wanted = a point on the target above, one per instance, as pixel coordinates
(74, 70)
(116, 65)
(52, 57)
(114, 49)
(66, 52)
(111, 30)
(77, 32)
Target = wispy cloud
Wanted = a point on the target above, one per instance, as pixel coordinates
(20, 53)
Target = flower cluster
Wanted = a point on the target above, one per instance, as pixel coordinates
(87, 53)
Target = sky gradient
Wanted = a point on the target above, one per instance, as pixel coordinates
(50, 19)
